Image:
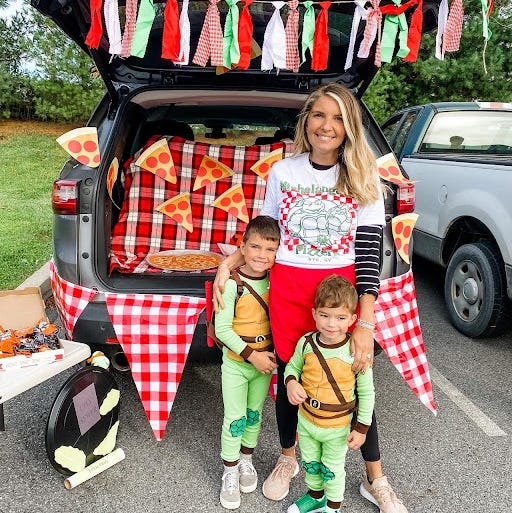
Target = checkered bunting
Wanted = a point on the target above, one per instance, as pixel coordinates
(141, 230)
(398, 332)
(70, 300)
(155, 332)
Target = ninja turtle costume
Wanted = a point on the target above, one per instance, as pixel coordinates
(325, 372)
(242, 326)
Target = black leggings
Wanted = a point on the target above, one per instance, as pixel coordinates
(286, 415)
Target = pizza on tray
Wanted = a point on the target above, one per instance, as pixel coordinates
(184, 260)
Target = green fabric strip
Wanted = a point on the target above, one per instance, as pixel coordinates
(231, 50)
(145, 18)
(308, 29)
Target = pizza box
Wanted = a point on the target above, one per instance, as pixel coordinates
(23, 309)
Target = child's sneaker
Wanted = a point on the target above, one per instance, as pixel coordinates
(230, 491)
(248, 475)
(306, 504)
(277, 484)
(382, 495)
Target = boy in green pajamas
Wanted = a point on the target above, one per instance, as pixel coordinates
(320, 379)
(248, 361)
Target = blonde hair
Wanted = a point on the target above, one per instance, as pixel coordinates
(357, 175)
(335, 291)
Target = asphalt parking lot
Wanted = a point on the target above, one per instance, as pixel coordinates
(437, 464)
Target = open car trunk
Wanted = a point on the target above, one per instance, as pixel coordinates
(238, 118)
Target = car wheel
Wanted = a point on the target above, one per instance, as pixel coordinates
(475, 290)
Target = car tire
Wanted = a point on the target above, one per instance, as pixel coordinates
(475, 290)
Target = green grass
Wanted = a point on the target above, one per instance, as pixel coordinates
(28, 166)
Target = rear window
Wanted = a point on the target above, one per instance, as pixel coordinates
(470, 133)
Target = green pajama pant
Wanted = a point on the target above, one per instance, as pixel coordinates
(323, 452)
(244, 390)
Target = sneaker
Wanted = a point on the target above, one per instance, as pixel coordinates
(230, 491)
(382, 495)
(248, 475)
(277, 484)
(306, 504)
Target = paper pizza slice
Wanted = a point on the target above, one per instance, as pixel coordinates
(157, 159)
(178, 209)
(390, 170)
(82, 144)
(262, 167)
(402, 227)
(112, 176)
(210, 170)
(233, 202)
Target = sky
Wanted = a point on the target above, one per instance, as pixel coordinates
(14, 5)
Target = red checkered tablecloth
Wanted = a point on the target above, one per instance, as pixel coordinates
(142, 230)
(398, 332)
(155, 332)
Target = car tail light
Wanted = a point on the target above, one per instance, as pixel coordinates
(65, 197)
(405, 198)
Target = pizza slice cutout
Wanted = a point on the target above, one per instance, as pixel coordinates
(82, 145)
(157, 159)
(178, 209)
(402, 227)
(262, 167)
(210, 170)
(389, 169)
(112, 176)
(233, 202)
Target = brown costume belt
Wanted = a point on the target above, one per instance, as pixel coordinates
(315, 404)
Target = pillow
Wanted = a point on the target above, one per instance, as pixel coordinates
(142, 230)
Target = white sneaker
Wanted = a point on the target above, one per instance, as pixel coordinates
(248, 475)
(230, 491)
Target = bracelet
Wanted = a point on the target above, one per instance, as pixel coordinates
(365, 324)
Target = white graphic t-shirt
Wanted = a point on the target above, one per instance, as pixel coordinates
(317, 224)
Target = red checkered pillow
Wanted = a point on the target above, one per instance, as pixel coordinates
(142, 230)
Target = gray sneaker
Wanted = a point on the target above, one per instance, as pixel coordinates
(248, 475)
(230, 491)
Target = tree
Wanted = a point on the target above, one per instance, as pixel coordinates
(461, 76)
(65, 89)
(15, 89)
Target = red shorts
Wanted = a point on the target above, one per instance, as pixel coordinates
(291, 298)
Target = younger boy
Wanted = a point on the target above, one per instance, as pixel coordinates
(320, 379)
(248, 361)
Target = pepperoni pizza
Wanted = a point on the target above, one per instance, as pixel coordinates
(82, 144)
(157, 159)
(262, 167)
(179, 210)
(389, 169)
(402, 227)
(233, 202)
(210, 170)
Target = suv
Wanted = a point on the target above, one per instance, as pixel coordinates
(197, 109)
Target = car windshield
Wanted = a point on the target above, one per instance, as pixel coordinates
(470, 132)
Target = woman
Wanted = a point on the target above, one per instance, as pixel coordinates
(329, 204)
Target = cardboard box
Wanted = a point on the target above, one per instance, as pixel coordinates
(24, 309)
